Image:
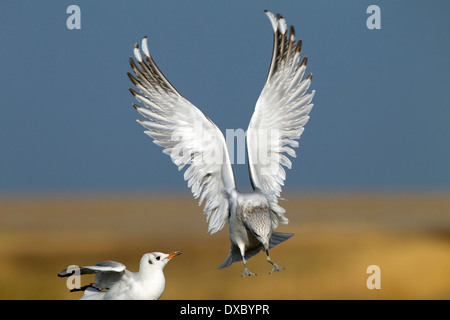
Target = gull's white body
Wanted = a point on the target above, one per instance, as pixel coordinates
(240, 236)
(114, 282)
(193, 140)
(250, 228)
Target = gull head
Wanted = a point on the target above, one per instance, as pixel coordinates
(257, 220)
(263, 235)
(157, 260)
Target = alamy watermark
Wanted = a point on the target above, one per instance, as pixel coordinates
(74, 20)
(206, 147)
(374, 20)
(74, 280)
(374, 280)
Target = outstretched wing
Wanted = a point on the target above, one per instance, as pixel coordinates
(106, 274)
(186, 135)
(280, 115)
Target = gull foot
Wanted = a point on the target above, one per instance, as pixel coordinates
(276, 268)
(247, 273)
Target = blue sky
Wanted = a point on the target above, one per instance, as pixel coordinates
(381, 118)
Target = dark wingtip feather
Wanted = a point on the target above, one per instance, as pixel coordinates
(83, 288)
(298, 48)
(304, 61)
(134, 93)
(132, 79)
(132, 63)
(64, 273)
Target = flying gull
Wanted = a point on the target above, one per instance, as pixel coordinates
(193, 140)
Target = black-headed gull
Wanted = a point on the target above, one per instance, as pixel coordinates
(114, 282)
(190, 138)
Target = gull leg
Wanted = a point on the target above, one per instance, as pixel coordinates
(275, 266)
(246, 271)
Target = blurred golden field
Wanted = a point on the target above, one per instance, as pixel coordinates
(337, 236)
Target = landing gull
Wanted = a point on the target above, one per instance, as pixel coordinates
(193, 140)
(114, 282)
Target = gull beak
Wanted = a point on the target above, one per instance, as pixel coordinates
(173, 254)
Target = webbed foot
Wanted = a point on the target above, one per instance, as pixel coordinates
(275, 268)
(247, 273)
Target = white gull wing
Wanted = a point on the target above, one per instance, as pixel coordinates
(280, 115)
(186, 135)
(107, 273)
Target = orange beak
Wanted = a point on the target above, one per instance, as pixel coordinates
(173, 254)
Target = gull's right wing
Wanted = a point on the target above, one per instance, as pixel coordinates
(186, 135)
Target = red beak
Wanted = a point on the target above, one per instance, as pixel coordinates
(173, 254)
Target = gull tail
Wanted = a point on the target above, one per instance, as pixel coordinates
(278, 237)
(234, 256)
(231, 257)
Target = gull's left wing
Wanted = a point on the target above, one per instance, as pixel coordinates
(280, 115)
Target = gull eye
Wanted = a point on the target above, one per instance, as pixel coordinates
(158, 258)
